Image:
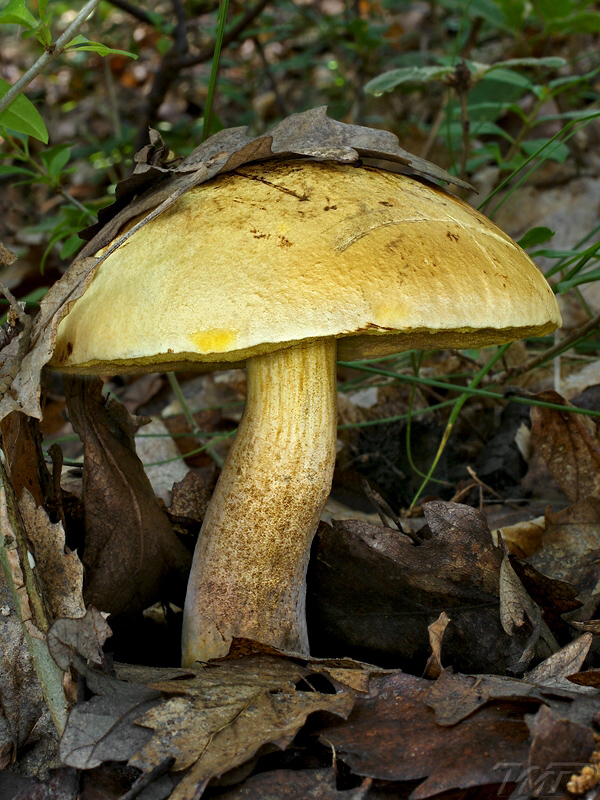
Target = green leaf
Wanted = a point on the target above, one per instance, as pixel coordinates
(17, 13)
(558, 151)
(586, 277)
(535, 236)
(503, 75)
(70, 247)
(81, 43)
(551, 62)
(55, 159)
(9, 169)
(416, 75)
(22, 116)
(550, 9)
(514, 13)
(581, 22)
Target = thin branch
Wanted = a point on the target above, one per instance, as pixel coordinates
(207, 53)
(559, 347)
(173, 62)
(134, 11)
(49, 55)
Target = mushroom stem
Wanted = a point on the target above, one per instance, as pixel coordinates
(248, 576)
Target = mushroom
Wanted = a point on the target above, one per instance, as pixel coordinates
(284, 266)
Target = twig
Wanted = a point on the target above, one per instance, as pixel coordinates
(136, 12)
(207, 53)
(564, 344)
(49, 55)
(173, 63)
(270, 77)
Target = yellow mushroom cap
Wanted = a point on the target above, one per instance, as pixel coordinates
(274, 254)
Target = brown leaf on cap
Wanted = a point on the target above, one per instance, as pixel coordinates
(392, 735)
(569, 444)
(131, 555)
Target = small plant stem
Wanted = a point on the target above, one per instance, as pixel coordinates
(74, 202)
(187, 413)
(469, 390)
(526, 127)
(454, 416)
(214, 70)
(577, 335)
(48, 55)
(466, 130)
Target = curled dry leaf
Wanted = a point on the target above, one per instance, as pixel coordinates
(155, 187)
(569, 444)
(434, 667)
(59, 569)
(554, 670)
(132, 556)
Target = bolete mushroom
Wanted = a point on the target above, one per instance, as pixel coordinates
(284, 265)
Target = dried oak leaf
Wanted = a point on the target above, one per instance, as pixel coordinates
(572, 546)
(392, 735)
(154, 187)
(220, 718)
(131, 555)
(570, 446)
(289, 784)
(59, 569)
(454, 697)
(82, 637)
(372, 593)
(102, 728)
